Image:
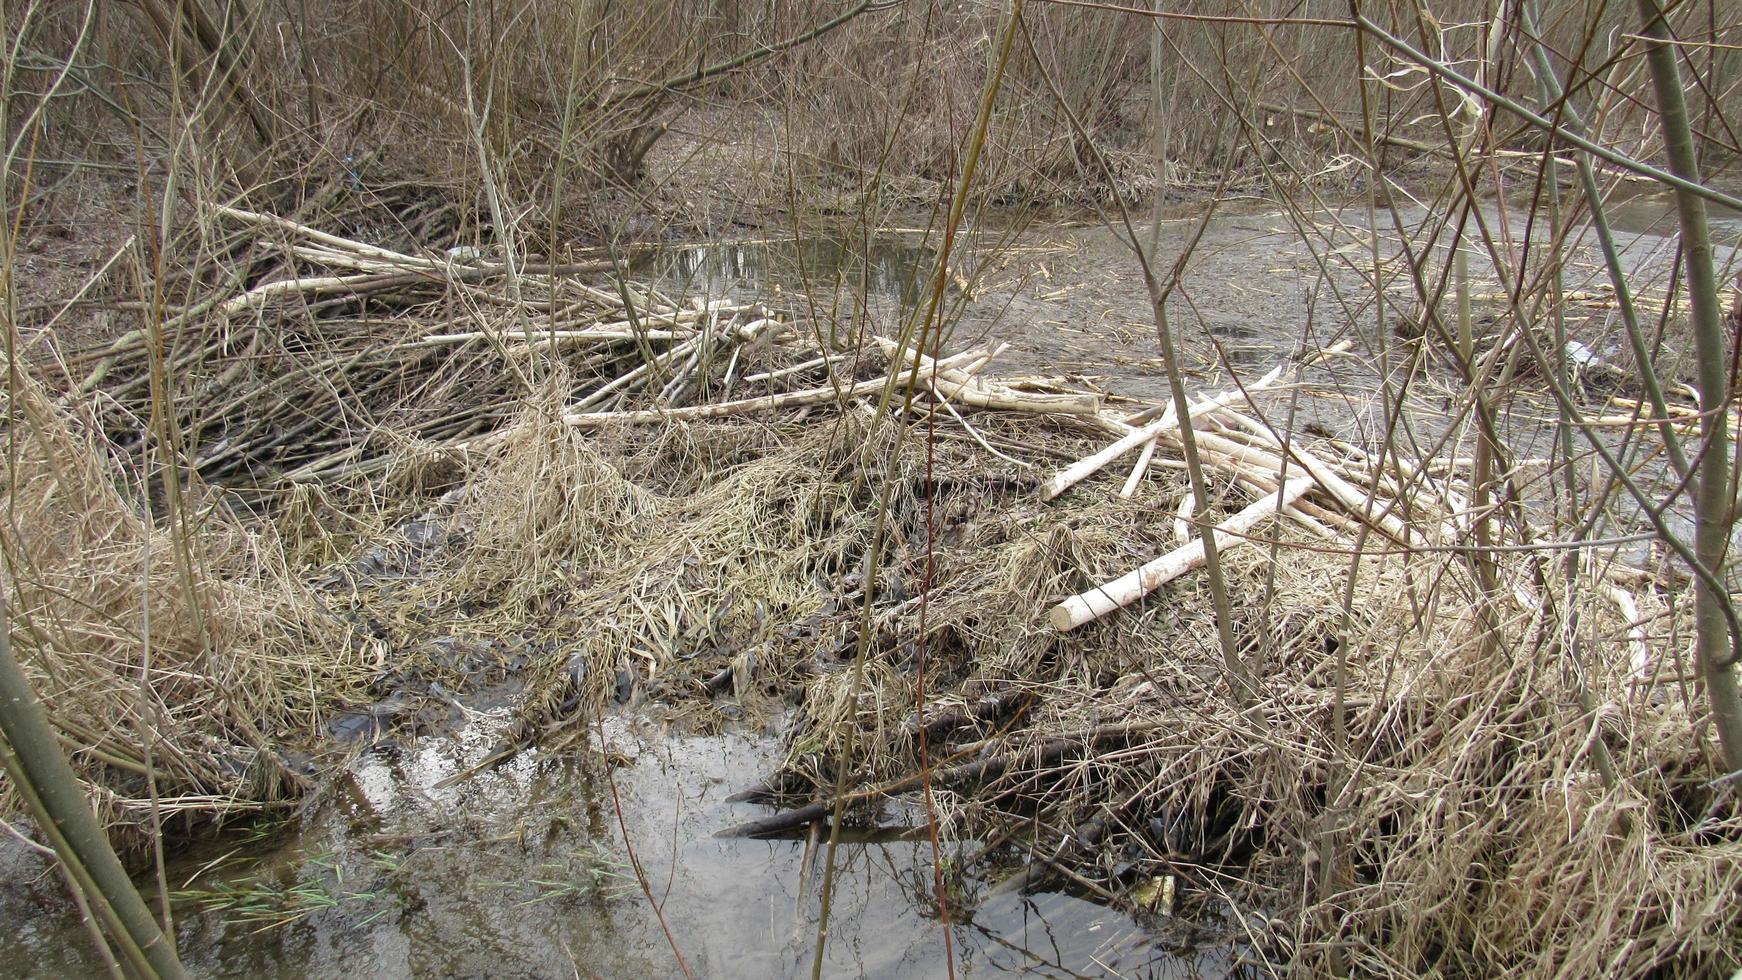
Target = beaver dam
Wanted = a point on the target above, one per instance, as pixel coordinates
(870, 488)
(511, 617)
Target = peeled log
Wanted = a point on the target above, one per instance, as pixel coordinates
(1084, 468)
(957, 384)
(789, 399)
(1127, 589)
(1138, 470)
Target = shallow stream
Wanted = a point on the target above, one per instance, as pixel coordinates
(519, 871)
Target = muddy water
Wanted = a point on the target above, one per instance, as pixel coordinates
(1068, 297)
(521, 870)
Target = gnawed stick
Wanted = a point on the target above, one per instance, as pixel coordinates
(1265, 472)
(649, 328)
(1255, 467)
(958, 384)
(941, 723)
(542, 338)
(781, 784)
(1638, 644)
(1138, 471)
(338, 250)
(363, 283)
(745, 406)
(310, 286)
(1351, 498)
(799, 368)
(1182, 518)
(330, 240)
(1129, 588)
(1083, 837)
(957, 776)
(1084, 468)
(632, 377)
(974, 433)
(1302, 512)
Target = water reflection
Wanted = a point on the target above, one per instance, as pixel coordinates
(890, 266)
(519, 871)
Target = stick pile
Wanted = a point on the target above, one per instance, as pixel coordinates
(672, 523)
(356, 351)
(345, 352)
(351, 351)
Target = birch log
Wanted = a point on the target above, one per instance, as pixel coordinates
(1127, 589)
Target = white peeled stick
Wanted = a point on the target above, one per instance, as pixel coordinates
(1128, 588)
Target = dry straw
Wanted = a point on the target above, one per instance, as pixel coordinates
(244, 659)
(716, 565)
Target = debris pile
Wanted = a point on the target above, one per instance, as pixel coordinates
(1382, 750)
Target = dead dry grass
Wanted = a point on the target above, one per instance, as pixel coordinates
(207, 664)
(1412, 791)
(1474, 832)
(718, 568)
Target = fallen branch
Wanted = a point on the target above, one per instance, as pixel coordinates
(958, 776)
